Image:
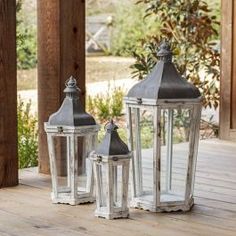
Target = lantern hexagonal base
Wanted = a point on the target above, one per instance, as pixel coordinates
(114, 215)
(64, 198)
(163, 207)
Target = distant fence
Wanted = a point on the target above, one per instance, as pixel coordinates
(98, 34)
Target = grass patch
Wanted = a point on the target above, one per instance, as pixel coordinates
(97, 69)
(26, 79)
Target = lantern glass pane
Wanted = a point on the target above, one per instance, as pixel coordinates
(117, 185)
(84, 163)
(102, 183)
(61, 163)
(143, 133)
(175, 131)
(114, 187)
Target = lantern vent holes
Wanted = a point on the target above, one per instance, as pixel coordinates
(60, 129)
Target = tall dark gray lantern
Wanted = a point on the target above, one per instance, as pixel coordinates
(111, 168)
(70, 123)
(163, 116)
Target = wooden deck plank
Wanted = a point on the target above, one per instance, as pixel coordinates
(28, 207)
(87, 212)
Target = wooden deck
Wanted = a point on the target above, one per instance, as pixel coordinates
(27, 208)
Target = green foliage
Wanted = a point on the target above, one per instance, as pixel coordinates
(130, 27)
(107, 106)
(181, 120)
(215, 5)
(147, 133)
(27, 136)
(210, 128)
(26, 41)
(117, 102)
(190, 28)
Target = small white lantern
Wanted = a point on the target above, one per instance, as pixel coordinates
(111, 168)
(66, 126)
(163, 171)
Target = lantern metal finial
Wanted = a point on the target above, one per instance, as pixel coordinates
(165, 53)
(111, 126)
(71, 87)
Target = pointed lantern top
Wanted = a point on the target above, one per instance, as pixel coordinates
(112, 143)
(71, 87)
(71, 112)
(165, 53)
(164, 82)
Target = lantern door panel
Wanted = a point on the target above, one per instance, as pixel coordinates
(142, 146)
(59, 164)
(111, 188)
(72, 178)
(101, 178)
(175, 129)
(84, 175)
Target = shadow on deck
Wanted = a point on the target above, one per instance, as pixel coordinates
(27, 208)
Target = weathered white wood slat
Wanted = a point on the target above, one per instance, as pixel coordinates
(110, 188)
(193, 149)
(156, 157)
(169, 149)
(131, 148)
(138, 159)
(125, 186)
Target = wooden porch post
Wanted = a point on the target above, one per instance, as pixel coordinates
(8, 95)
(61, 53)
(228, 71)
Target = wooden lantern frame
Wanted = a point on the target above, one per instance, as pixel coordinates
(106, 207)
(72, 194)
(155, 204)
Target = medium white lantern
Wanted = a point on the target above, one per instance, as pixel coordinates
(160, 107)
(111, 168)
(66, 126)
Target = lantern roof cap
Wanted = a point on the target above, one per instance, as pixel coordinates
(71, 86)
(112, 144)
(164, 82)
(71, 112)
(165, 50)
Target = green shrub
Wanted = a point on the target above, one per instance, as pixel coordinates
(130, 27)
(27, 135)
(102, 104)
(26, 41)
(105, 107)
(146, 136)
(190, 28)
(117, 102)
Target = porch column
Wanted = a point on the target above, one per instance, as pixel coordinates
(61, 53)
(8, 95)
(228, 71)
